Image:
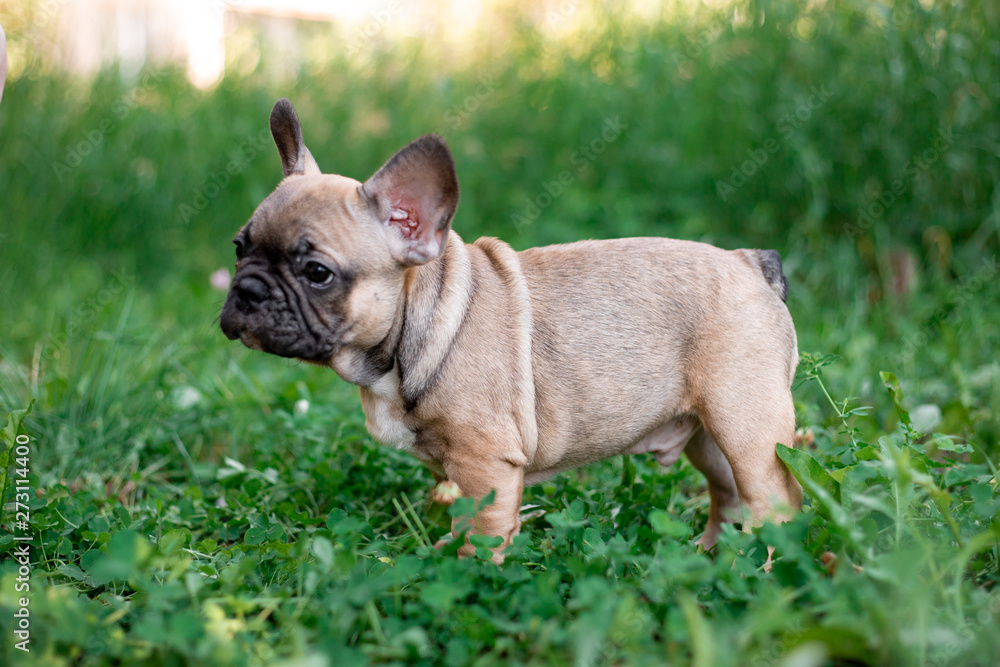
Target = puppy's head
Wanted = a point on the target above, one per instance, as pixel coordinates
(322, 261)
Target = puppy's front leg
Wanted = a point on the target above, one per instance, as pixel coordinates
(477, 473)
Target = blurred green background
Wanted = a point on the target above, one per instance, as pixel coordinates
(206, 504)
(859, 139)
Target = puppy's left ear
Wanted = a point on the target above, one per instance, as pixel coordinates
(287, 132)
(415, 195)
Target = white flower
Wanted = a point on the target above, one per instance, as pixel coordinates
(925, 417)
(220, 280)
(185, 397)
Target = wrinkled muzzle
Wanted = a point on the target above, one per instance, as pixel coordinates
(267, 315)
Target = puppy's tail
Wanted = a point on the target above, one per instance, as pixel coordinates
(769, 262)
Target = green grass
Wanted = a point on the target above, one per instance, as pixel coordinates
(190, 510)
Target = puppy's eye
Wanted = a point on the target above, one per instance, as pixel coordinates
(317, 274)
(239, 248)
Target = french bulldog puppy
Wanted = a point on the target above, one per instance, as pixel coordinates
(499, 368)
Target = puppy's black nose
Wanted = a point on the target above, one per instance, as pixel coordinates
(252, 290)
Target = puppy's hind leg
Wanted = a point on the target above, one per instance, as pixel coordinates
(688, 435)
(746, 428)
(724, 500)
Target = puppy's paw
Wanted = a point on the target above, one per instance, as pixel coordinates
(706, 542)
(444, 541)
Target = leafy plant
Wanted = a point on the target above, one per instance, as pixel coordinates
(193, 502)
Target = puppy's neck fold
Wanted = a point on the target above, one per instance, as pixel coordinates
(437, 298)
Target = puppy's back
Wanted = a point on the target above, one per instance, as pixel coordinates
(620, 326)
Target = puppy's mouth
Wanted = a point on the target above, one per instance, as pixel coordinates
(251, 341)
(262, 314)
(297, 349)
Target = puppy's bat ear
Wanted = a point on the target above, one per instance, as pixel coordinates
(287, 132)
(415, 195)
